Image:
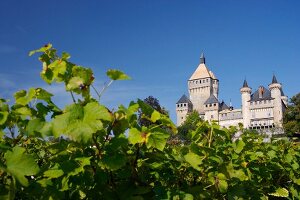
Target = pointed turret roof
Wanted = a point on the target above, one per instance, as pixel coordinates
(274, 80)
(245, 84)
(211, 99)
(202, 71)
(184, 99)
(223, 106)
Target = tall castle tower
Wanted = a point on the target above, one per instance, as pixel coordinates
(277, 94)
(202, 85)
(246, 96)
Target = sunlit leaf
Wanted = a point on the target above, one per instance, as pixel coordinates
(117, 75)
(20, 164)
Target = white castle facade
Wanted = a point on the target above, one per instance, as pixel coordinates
(262, 109)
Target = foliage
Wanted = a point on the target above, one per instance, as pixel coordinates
(86, 151)
(190, 124)
(291, 119)
(153, 103)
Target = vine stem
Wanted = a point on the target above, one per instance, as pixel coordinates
(104, 88)
(98, 94)
(210, 136)
(73, 97)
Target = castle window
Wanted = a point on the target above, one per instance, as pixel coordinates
(215, 104)
(196, 82)
(259, 102)
(206, 105)
(211, 116)
(251, 103)
(265, 101)
(199, 81)
(209, 105)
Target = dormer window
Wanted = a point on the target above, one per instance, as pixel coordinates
(261, 92)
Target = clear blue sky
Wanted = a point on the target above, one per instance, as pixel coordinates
(158, 43)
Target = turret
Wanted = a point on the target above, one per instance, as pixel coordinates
(211, 108)
(183, 107)
(276, 89)
(246, 96)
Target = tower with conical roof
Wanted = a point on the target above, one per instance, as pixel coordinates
(202, 84)
(246, 96)
(276, 94)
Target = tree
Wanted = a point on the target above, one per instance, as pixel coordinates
(153, 102)
(291, 119)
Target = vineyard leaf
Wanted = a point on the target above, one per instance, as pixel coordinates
(80, 122)
(135, 136)
(53, 173)
(155, 116)
(43, 94)
(75, 83)
(20, 164)
(3, 117)
(223, 186)
(114, 161)
(23, 98)
(280, 192)
(194, 160)
(117, 75)
(34, 126)
(42, 49)
(157, 140)
(239, 146)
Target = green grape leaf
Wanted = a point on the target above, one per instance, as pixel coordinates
(53, 173)
(80, 122)
(194, 160)
(135, 136)
(42, 49)
(117, 75)
(23, 98)
(34, 126)
(58, 68)
(280, 192)
(86, 74)
(157, 139)
(75, 83)
(43, 94)
(26, 111)
(65, 56)
(155, 116)
(20, 164)
(3, 117)
(114, 161)
(47, 75)
(239, 146)
(223, 186)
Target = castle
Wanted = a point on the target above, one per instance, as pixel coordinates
(262, 109)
